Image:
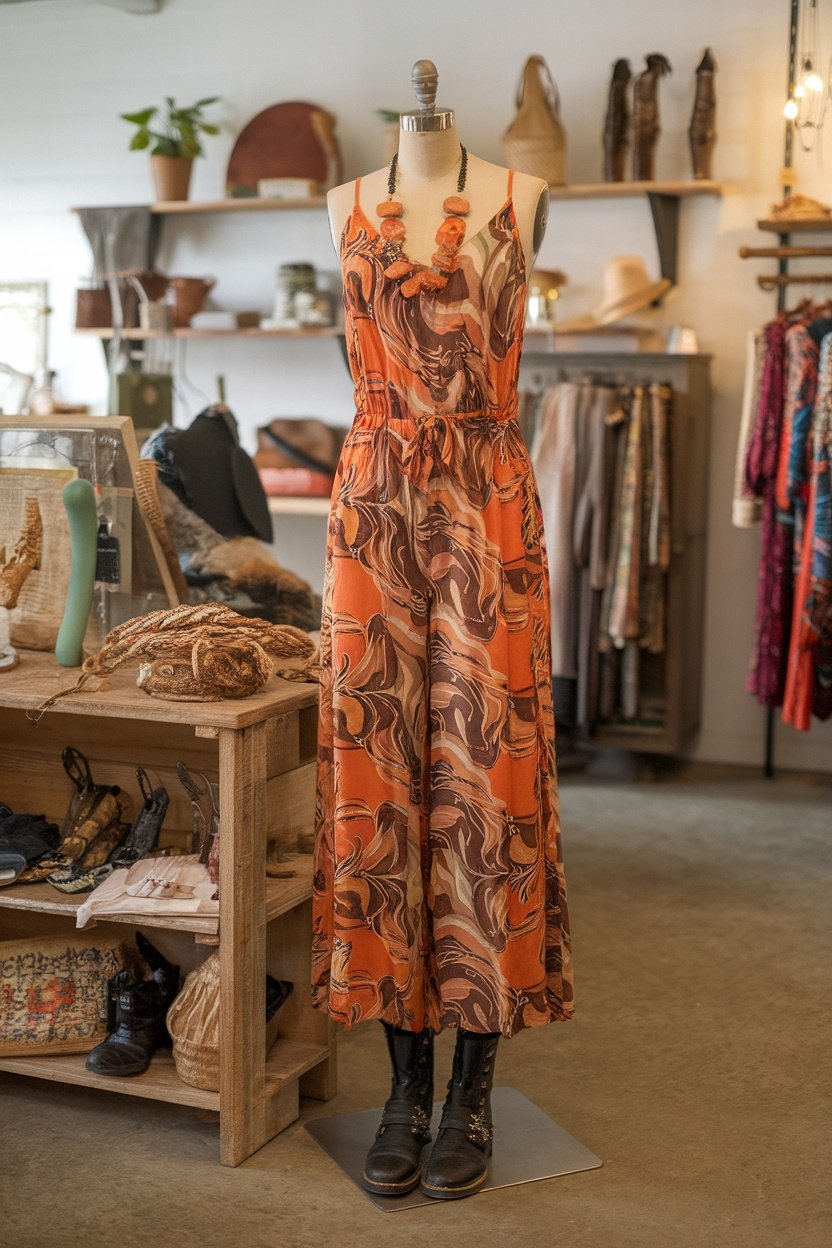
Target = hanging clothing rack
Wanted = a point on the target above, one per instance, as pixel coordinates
(785, 252)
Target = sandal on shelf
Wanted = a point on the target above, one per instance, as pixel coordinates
(77, 879)
(145, 834)
(204, 835)
(93, 825)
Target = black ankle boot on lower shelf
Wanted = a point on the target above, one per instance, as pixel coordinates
(458, 1164)
(393, 1164)
(137, 1010)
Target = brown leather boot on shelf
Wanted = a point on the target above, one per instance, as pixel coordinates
(458, 1163)
(394, 1162)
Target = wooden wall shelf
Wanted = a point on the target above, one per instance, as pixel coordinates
(181, 207)
(629, 190)
(677, 188)
(141, 335)
(800, 225)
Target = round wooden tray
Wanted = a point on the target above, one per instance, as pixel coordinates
(290, 140)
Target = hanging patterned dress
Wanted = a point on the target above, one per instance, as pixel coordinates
(438, 895)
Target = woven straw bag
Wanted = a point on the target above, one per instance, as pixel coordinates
(535, 142)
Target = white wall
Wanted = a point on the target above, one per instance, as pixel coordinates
(67, 70)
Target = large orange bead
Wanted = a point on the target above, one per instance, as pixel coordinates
(444, 260)
(433, 281)
(389, 208)
(457, 205)
(411, 286)
(451, 232)
(399, 268)
(392, 230)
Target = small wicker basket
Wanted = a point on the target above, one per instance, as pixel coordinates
(194, 1025)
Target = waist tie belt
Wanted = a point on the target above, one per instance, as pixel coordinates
(433, 443)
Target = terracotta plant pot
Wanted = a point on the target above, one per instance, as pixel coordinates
(171, 176)
(186, 296)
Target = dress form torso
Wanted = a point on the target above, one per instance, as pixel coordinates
(428, 170)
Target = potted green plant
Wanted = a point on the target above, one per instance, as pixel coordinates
(174, 137)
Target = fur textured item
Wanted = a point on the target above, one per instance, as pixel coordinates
(239, 572)
(205, 653)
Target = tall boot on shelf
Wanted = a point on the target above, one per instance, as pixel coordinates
(458, 1164)
(393, 1164)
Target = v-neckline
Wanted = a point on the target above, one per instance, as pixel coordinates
(508, 204)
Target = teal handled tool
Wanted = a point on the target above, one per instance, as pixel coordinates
(79, 500)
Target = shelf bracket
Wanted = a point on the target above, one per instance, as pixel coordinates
(665, 210)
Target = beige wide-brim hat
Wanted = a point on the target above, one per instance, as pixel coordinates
(627, 289)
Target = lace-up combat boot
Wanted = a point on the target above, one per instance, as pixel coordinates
(393, 1164)
(458, 1164)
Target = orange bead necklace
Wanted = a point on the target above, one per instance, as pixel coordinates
(412, 277)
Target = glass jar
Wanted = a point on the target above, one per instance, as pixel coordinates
(292, 280)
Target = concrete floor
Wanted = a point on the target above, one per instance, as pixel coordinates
(697, 1066)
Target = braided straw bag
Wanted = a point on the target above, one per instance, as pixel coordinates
(535, 142)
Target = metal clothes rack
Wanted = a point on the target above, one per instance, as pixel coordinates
(784, 252)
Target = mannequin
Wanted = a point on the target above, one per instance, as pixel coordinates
(438, 880)
(428, 162)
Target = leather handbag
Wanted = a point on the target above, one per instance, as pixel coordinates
(535, 142)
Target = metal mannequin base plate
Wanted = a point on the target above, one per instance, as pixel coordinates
(528, 1146)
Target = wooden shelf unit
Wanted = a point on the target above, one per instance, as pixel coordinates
(287, 1060)
(262, 750)
(664, 198)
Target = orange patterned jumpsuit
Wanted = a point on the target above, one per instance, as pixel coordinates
(438, 894)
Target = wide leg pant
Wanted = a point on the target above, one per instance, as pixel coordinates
(438, 890)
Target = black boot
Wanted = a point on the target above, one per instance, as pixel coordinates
(137, 1010)
(458, 1164)
(393, 1164)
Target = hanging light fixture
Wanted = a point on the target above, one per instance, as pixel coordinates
(809, 95)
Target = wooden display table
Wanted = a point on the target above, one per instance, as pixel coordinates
(263, 751)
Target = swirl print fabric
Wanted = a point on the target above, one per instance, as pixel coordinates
(438, 895)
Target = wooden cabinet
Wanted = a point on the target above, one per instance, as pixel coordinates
(262, 751)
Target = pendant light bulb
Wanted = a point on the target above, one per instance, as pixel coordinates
(790, 110)
(799, 91)
(814, 82)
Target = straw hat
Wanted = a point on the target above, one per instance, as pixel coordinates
(627, 289)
